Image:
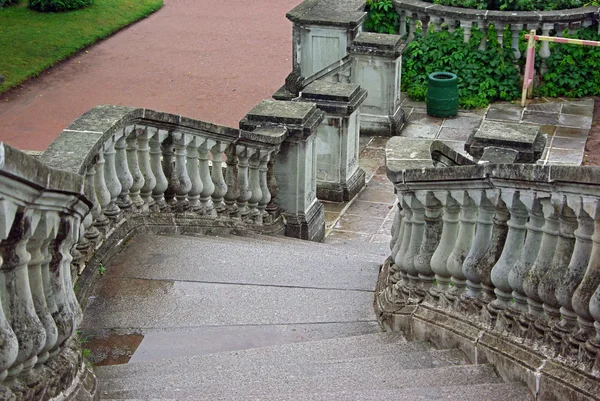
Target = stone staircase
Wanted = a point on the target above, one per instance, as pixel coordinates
(262, 318)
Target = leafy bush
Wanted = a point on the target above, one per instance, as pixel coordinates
(483, 76)
(58, 5)
(6, 3)
(381, 17)
(516, 5)
(573, 71)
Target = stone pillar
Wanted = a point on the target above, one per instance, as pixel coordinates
(376, 67)
(295, 164)
(320, 38)
(339, 178)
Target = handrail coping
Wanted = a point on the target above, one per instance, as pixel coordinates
(344, 13)
(77, 146)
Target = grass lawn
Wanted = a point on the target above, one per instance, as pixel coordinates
(31, 42)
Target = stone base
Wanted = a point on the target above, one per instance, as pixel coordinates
(382, 125)
(343, 191)
(546, 378)
(309, 226)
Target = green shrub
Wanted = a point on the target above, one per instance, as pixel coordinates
(483, 76)
(573, 70)
(381, 17)
(58, 5)
(6, 3)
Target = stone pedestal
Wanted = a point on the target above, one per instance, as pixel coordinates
(527, 140)
(295, 164)
(339, 178)
(376, 67)
(320, 37)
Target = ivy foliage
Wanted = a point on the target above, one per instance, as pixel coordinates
(483, 76)
(58, 5)
(381, 17)
(573, 70)
(516, 5)
(6, 3)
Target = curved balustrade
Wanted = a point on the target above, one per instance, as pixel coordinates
(41, 212)
(434, 16)
(514, 249)
(138, 163)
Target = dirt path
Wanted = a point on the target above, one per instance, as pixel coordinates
(210, 60)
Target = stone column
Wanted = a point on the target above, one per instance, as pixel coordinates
(145, 167)
(431, 240)
(158, 192)
(339, 178)
(183, 184)
(134, 166)
(296, 163)
(376, 67)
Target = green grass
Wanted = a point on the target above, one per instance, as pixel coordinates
(31, 42)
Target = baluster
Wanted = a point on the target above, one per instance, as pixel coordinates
(412, 27)
(586, 298)
(424, 19)
(451, 23)
(437, 23)
(9, 348)
(393, 271)
(483, 27)
(102, 193)
(91, 232)
(401, 276)
(416, 237)
(500, 27)
(402, 23)
(158, 192)
(20, 308)
(122, 168)
(37, 247)
(466, 232)
(481, 244)
(447, 241)
(467, 27)
(113, 211)
(494, 252)
(182, 183)
(512, 318)
(572, 278)
(430, 242)
(540, 266)
(145, 165)
(545, 47)
(134, 167)
(168, 168)
(231, 179)
(558, 267)
(272, 207)
(264, 188)
(208, 186)
(515, 30)
(513, 246)
(244, 154)
(217, 177)
(194, 174)
(254, 181)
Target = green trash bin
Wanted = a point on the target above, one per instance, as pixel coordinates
(442, 94)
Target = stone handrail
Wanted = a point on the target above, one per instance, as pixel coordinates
(41, 210)
(513, 249)
(434, 14)
(140, 164)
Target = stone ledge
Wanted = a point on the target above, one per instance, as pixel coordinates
(547, 379)
(377, 44)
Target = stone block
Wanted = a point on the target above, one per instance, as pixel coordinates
(527, 140)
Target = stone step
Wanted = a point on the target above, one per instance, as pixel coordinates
(243, 260)
(357, 378)
(363, 346)
(478, 392)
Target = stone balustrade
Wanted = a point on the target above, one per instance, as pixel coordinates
(434, 16)
(513, 249)
(41, 211)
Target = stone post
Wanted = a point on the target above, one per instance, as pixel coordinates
(295, 164)
(376, 67)
(339, 178)
(319, 39)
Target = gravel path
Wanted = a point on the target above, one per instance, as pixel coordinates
(209, 60)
